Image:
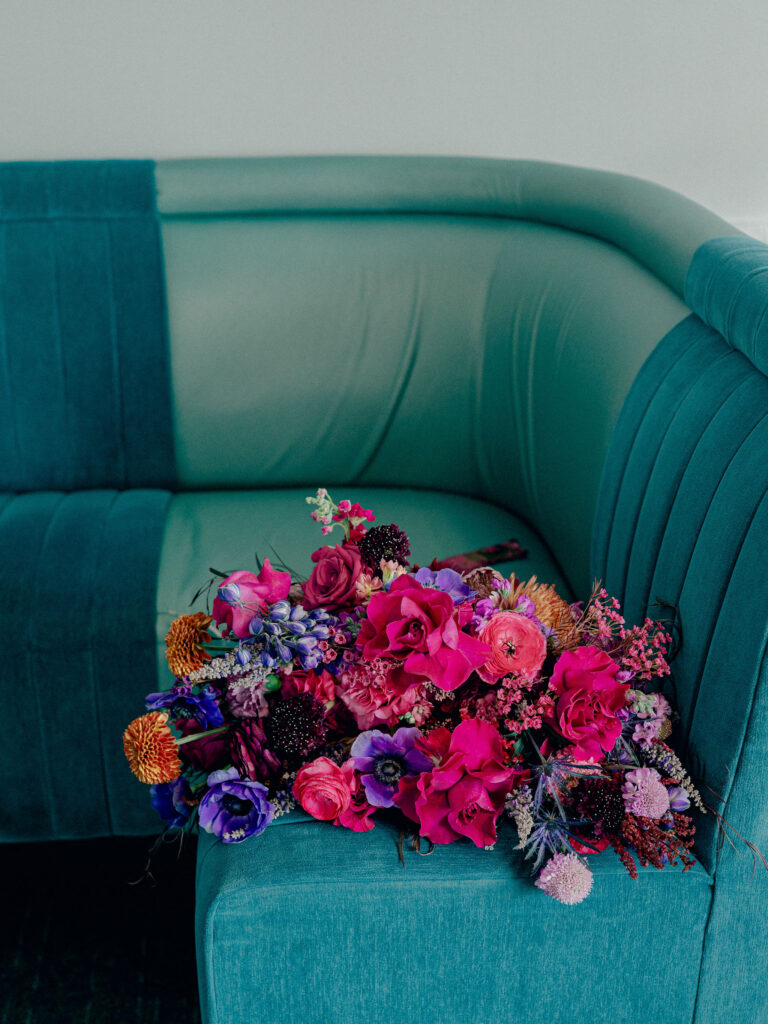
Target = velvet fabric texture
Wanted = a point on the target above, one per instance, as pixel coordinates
(84, 375)
(86, 442)
(683, 522)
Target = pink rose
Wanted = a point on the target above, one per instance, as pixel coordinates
(421, 627)
(464, 794)
(332, 793)
(518, 647)
(323, 789)
(332, 583)
(243, 595)
(589, 697)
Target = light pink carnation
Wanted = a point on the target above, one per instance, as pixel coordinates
(565, 878)
(645, 794)
(374, 696)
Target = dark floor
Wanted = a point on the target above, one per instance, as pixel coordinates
(79, 944)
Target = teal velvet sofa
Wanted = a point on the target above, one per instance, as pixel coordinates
(478, 350)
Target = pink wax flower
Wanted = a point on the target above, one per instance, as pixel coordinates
(243, 595)
(518, 647)
(376, 695)
(645, 794)
(420, 627)
(464, 794)
(589, 698)
(332, 583)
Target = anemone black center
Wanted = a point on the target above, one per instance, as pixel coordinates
(235, 805)
(388, 769)
(180, 710)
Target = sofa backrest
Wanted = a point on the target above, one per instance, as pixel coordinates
(683, 521)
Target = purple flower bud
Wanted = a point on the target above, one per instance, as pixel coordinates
(242, 656)
(230, 594)
(279, 611)
(679, 800)
(255, 626)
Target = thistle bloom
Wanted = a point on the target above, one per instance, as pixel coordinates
(565, 878)
(151, 749)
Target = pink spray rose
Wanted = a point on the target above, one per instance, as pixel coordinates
(332, 793)
(421, 627)
(518, 647)
(589, 697)
(332, 583)
(243, 595)
(464, 794)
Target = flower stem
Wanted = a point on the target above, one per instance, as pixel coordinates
(199, 735)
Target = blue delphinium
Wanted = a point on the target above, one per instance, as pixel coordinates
(182, 702)
(286, 632)
(383, 760)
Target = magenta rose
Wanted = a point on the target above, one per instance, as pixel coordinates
(332, 583)
(589, 698)
(243, 595)
(422, 628)
(464, 794)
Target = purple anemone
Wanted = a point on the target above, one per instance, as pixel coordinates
(447, 580)
(182, 702)
(233, 808)
(383, 760)
(171, 801)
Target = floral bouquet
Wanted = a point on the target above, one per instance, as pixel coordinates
(450, 694)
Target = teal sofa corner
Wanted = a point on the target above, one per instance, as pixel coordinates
(477, 349)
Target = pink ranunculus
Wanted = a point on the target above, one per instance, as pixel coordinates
(332, 583)
(375, 694)
(589, 698)
(243, 595)
(464, 794)
(323, 789)
(421, 627)
(357, 816)
(518, 647)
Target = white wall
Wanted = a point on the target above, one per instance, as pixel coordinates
(672, 90)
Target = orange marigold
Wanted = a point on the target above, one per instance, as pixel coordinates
(151, 749)
(183, 643)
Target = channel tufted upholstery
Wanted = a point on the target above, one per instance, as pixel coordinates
(477, 349)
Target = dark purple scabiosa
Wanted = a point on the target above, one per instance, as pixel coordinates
(603, 804)
(181, 703)
(387, 542)
(383, 760)
(233, 808)
(296, 727)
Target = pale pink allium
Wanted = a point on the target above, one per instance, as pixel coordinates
(645, 794)
(565, 878)
(518, 647)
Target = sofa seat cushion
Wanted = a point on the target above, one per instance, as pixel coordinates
(226, 529)
(317, 924)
